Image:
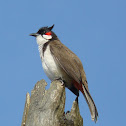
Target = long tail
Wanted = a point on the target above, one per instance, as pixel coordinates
(91, 104)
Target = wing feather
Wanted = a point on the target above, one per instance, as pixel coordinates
(69, 62)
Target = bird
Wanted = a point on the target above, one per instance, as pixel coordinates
(60, 63)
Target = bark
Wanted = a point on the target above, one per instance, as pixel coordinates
(46, 107)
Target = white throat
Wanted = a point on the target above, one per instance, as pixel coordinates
(41, 40)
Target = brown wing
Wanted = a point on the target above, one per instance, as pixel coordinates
(68, 61)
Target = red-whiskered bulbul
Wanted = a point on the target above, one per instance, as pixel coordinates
(61, 63)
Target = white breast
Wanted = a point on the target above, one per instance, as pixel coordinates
(49, 65)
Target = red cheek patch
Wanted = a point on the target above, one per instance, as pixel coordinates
(48, 33)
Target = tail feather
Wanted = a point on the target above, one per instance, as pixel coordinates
(91, 104)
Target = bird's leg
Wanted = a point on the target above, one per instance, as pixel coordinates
(61, 80)
(76, 99)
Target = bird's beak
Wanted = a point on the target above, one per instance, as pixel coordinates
(34, 34)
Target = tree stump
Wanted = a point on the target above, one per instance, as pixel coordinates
(46, 107)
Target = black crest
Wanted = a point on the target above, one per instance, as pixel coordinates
(43, 30)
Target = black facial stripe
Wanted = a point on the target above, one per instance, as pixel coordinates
(44, 47)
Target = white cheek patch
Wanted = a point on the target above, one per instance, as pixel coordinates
(47, 37)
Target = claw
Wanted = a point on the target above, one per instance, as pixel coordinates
(62, 82)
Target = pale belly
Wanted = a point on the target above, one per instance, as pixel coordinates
(50, 67)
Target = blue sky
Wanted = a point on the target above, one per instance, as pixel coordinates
(94, 30)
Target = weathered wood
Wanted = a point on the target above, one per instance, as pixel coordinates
(46, 107)
(26, 109)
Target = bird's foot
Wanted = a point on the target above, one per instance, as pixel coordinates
(60, 79)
